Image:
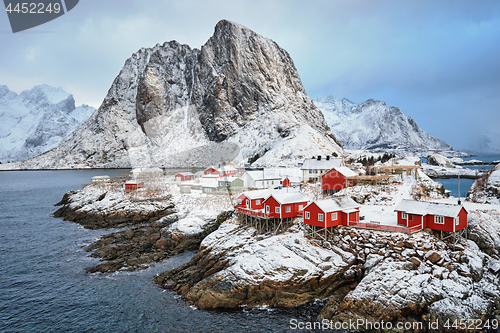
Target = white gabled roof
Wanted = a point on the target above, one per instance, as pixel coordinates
(334, 204)
(323, 164)
(345, 171)
(428, 208)
(287, 198)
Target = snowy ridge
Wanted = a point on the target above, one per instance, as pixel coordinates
(372, 125)
(236, 98)
(36, 120)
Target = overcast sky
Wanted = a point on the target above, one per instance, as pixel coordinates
(439, 61)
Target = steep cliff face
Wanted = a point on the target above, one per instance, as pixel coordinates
(237, 97)
(373, 124)
(36, 120)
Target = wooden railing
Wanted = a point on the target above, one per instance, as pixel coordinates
(377, 226)
(252, 213)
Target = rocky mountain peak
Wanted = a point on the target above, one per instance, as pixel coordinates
(374, 125)
(239, 97)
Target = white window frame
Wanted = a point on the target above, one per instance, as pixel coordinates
(335, 216)
(320, 217)
(267, 209)
(277, 209)
(307, 215)
(257, 202)
(248, 203)
(288, 209)
(439, 219)
(301, 207)
(404, 216)
(457, 220)
(239, 202)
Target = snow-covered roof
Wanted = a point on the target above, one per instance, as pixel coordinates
(258, 194)
(100, 177)
(335, 204)
(428, 208)
(213, 184)
(134, 182)
(323, 164)
(286, 198)
(263, 175)
(345, 171)
(185, 173)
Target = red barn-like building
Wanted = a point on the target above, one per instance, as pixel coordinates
(184, 176)
(211, 171)
(337, 179)
(285, 205)
(331, 212)
(432, 215)
(133, 184)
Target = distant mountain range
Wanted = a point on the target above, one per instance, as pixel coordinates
(36, 120)
(237, 98)
(374, 125)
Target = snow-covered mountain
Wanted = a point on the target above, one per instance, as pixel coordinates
(237, 97)
(36, 120)
(373, 124)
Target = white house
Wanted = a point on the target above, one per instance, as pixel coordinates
(261, 179)
(314, 168)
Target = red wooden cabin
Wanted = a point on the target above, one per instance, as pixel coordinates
(211, 171)
(227, 171)
(337, 179)
(286, 182)
(253, 199)
(133, 185)
(285, 205)
(432, 215)
(331, 212)
(184, 176)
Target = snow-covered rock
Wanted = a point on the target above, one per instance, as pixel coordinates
(237, 97)
(487, 188)
(440, 160)
(236, 266)
(36, 120)
(373, 124)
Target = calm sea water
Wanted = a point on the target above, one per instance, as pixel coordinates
(465, 184)
(44, 286)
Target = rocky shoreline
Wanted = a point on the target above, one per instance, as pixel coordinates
(151, 225)
(141, 246)
(365, 274)
(98, 208)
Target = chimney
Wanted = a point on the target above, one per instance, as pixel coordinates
(327, 157)
(319, 157)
